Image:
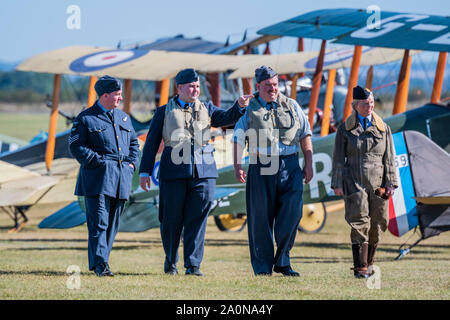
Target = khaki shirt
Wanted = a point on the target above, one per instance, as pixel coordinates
(363, 159)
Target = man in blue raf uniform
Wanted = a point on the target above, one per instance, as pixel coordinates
(187, 172)
(104, 143)
(275, 128)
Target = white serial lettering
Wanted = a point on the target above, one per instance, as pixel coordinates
(322, 176)
(387, 25)
(429, 27)
(444, 39)
(401, 160)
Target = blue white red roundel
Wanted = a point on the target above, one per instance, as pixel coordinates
(105, 59)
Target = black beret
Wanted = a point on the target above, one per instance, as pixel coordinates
(264, 73)
(107, 84)
(186, 76)
(360, 93)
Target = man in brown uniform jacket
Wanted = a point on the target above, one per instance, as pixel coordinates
(364, 166)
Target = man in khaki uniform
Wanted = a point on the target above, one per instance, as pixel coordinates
(364, 166)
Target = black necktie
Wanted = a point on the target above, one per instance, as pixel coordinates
(365, 121)
(110, 115)
(269, 106)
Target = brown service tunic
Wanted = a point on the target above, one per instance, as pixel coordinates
(362, 162)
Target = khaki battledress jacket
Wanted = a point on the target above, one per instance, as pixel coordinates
(362, 162)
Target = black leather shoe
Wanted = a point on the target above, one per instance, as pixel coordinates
(286, 271)
(170, 268)
(194, 271)
(109, 273)
(171, 271)
(102, 270)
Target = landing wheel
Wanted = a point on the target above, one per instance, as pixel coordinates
(231, 222)
(314, 217)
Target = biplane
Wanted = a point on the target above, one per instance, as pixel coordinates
(91, 61)
(425, 125)
(8, 144)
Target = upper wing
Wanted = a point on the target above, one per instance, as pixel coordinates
(369, 28)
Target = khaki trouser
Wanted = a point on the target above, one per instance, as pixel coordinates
(368, 216)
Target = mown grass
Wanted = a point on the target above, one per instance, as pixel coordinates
(33, 265)
(26, 125)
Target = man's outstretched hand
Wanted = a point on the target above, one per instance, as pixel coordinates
(244, 100)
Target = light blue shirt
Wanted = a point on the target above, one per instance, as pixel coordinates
(103, 108)
(242, 126)
(361, 120)
(182, 103)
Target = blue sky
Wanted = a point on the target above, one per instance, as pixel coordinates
(30, 27)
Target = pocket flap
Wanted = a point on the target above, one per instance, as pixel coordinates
(97, 129)
(123, 127)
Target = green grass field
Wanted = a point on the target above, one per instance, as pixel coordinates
(26, 125)
(34, 263)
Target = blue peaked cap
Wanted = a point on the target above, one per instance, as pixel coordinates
(264, 73)
(107, 84)
(359, 93)
(186, 76)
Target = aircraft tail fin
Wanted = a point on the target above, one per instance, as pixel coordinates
(68, 217)
(423, 197)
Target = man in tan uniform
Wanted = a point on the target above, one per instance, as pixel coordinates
(364, 166)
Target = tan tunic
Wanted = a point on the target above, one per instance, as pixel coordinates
(271, 126)
(362, 162)
(182, 126)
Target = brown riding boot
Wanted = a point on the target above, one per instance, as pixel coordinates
(360, 252)
(371, 257)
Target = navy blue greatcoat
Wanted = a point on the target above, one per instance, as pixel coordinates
(186, 190)
(105, 148)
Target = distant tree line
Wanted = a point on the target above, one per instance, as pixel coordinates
(33, 87)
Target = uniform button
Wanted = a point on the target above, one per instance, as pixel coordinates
(117, 137)
(120, 149)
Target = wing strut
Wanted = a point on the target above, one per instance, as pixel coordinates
(401, 95)
(50, 150)
(316, 84)
(439, 78)
(324, 130)
(352, 81)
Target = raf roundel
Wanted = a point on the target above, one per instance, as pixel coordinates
(105, 59)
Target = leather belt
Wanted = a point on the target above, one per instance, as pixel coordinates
(115, 157)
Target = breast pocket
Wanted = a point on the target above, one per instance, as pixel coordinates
(97, 135)
(376, 143)
(285, 119)
(125, 134)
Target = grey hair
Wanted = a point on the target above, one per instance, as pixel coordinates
(355, 101)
